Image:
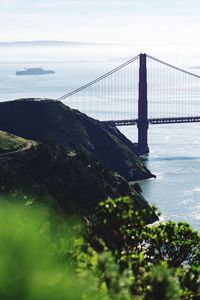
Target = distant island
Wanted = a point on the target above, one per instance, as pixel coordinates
(34, 71)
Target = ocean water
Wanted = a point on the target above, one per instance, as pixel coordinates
(175, 159)
(174, 149)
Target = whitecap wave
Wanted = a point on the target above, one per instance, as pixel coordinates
(192, 191)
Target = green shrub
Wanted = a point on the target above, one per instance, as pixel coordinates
(119, 257)
(162, 285)
(35, 257)
(137, 246)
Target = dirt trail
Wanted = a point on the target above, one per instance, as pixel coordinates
(25, 148)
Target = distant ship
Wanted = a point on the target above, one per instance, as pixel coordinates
(34, 71)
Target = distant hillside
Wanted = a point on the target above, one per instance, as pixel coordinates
(51, 120)
(47, 43)
(10, 142)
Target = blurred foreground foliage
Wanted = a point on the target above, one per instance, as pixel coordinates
(113, 254)
(35, 260)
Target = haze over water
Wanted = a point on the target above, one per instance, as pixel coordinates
(174, 149)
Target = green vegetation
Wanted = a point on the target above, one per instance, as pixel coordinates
(49, 256)
(9, 142)
(36, 260)
(164, 255)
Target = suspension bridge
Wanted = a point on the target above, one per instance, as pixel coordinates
(143, 91)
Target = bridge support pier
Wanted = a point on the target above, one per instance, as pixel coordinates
(143, 108)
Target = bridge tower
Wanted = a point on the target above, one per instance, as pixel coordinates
(143, 108)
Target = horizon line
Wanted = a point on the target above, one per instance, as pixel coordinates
(58, 42)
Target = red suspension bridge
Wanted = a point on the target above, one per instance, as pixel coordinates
(143, 91)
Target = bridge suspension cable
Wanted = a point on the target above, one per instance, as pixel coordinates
(173, 93)
(173, 67)
(85, 86)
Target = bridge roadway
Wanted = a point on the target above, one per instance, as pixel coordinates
(176, 120)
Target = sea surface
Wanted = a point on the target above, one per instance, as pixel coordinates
(174, 149)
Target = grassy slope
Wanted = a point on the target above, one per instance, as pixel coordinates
(10, 142)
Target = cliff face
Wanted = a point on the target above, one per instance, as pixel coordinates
(49, 120)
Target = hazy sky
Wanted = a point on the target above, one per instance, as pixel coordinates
(155, 25)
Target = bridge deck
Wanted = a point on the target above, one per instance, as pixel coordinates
(154, 121)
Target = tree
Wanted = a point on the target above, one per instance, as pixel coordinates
(177, 244)
(119, 223)
(162, 257)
